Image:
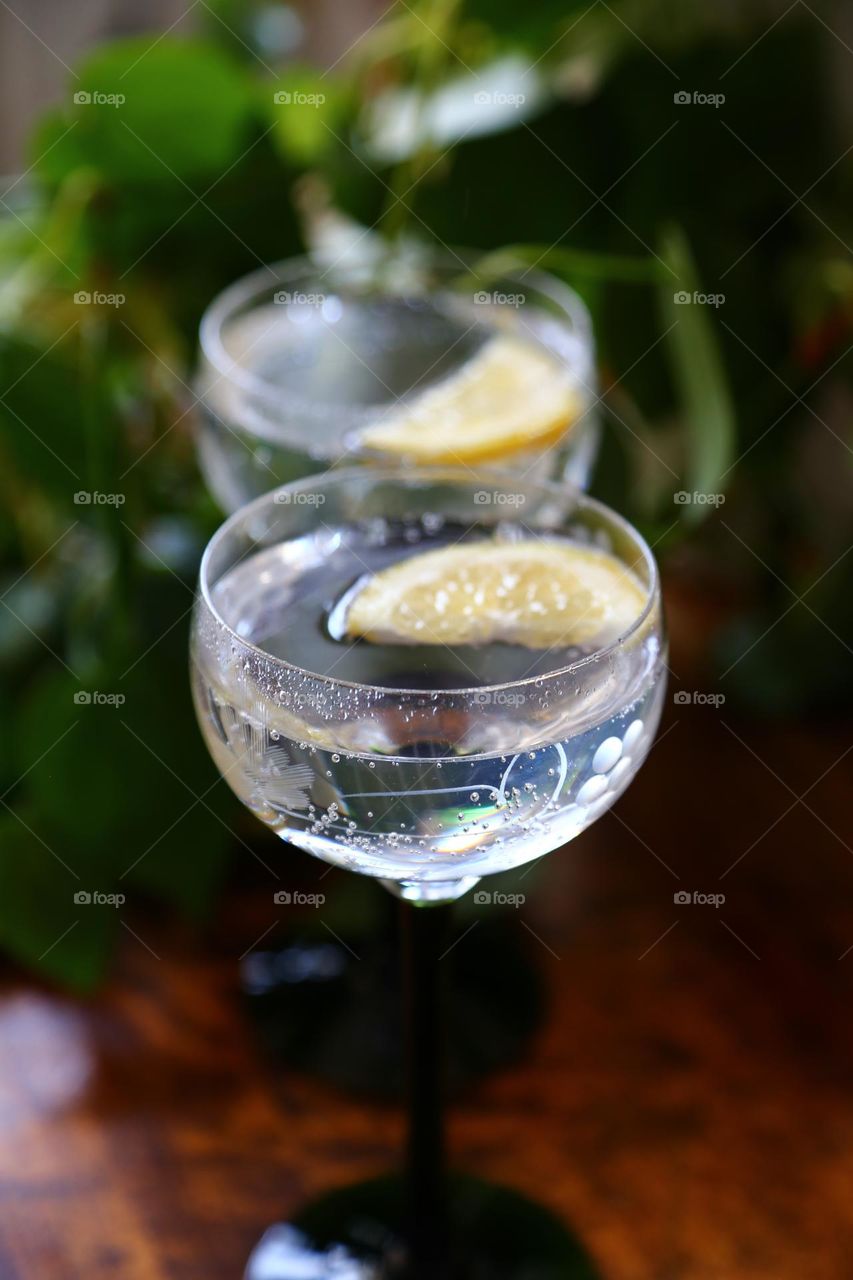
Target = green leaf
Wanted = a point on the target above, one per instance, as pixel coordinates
(114, 764)
(306, 109)
(697, 367)
(143, 110)
(69, 751)
(574, 264)
(57, 147)
(42, 426)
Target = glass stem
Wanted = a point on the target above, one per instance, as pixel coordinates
(424, 929)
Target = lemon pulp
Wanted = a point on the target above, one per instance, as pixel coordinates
(539, 592)
(510, 396)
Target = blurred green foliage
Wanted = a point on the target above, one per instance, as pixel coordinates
(175, 166)
(114, 794)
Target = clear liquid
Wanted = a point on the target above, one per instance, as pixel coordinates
(414, 796)
(326, 369)
(359, 351)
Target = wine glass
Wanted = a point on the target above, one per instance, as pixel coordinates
(295, 359)
(298, 358)
(426, 766)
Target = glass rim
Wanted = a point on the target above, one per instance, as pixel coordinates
(228, 301)
(344, 475)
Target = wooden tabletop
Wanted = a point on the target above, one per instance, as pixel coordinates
(687, 1105)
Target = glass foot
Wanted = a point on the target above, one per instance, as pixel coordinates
(320, 1009)
(356, 1234)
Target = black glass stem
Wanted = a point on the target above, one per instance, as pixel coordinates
(424, 930)
(425, 1225)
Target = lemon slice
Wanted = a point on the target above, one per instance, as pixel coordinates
(510, 396)
(538, 593)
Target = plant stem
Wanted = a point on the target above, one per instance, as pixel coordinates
(434, 38)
